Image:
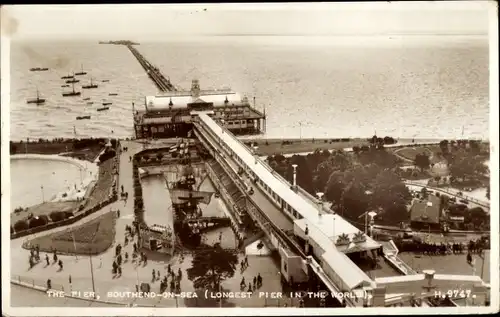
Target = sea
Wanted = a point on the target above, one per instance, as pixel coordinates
(310, 86)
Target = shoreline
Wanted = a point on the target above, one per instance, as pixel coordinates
(266, 146)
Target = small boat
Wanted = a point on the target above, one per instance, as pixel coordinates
(90, 86)
(106, 103)
(102, 108)
(90, 103)
(105, 80)
(71, 93)
(68, 77)
(88, 98)
(64, 85)
(72, 81)
(81, 72)
(37, 100)
(112, 94)
(39, 69)
(86, 117)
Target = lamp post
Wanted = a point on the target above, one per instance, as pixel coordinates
(294, 176)
(368, 193)
(482, 256)
(372, 215)
(43, 195)
(320, 203)
(92, 274)
(254, 149)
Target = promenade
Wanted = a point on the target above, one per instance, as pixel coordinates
(79, 268)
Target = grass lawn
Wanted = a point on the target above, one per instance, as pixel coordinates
(88, 153)
(101, 189)
(43, 209)
(93, 237)
(275, 146)
(411, 152)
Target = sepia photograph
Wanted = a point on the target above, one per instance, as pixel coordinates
(215, 159)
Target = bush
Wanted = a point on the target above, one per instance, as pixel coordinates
(57, 216)
(21, 225)
(38, 221)
(107, 155)
(458, 209)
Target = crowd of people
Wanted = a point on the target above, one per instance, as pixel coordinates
(432, 248)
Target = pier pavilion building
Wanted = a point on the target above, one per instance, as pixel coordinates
(171, 114)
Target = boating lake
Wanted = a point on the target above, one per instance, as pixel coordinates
(28, 175)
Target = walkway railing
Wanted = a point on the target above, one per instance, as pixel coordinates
(257, 214)
(28, 281)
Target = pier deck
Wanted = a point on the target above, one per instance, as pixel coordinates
(153, 72)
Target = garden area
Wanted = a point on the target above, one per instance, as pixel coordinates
(93, 237)
(411, 153)
(85, 149)
(102, 187)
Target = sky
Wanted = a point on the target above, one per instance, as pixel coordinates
(137, 22)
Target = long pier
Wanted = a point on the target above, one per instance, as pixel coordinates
(153, 72)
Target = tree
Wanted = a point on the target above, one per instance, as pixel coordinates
(38, 221)
(335, 187)
(21, 225)
(389, 191)
(466, 167)
(211, 266)
(476, 215)
(475, 146)
(389, 140)
(56, 216)
(354, 201)
(443, 145)
(13, 148)
(422, 161)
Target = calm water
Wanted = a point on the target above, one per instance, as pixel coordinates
(27, 177)
(336, 86)
(157, 204)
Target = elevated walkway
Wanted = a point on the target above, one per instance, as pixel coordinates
(284, 214)
(276, 225)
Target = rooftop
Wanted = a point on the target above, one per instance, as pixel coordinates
(181, 99)
(323, 233)
(426, 210)
(334, 226)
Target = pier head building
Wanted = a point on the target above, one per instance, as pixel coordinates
(171, 114)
